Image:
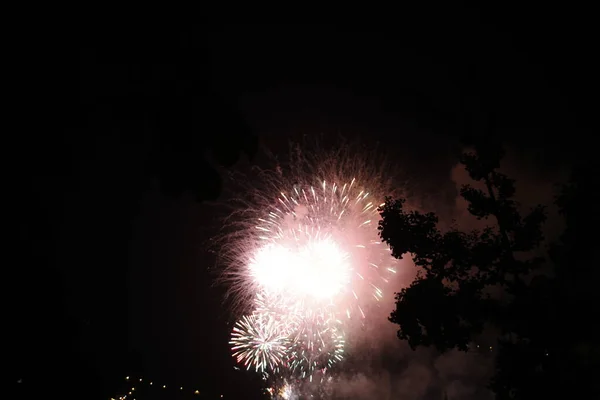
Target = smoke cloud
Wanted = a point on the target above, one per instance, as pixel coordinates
(388, 369)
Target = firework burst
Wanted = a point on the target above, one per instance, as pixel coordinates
(258, 342)
(321, 244)
(316, 346)
(310, 263)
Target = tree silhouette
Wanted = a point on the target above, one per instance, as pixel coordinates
(541, 349)
(458, 266)
(560, 351)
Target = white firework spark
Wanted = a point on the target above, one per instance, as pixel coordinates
(257, 342)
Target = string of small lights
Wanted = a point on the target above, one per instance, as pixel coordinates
(140, 388)
(480, 348)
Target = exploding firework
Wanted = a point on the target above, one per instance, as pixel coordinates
(284, 392)
(316, 346)
(315, 339)
(321, 247)
(258, 342)
(311, 263)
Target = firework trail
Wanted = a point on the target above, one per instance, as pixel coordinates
(310, 264)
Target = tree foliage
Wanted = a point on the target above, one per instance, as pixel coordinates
(448, 303)
(458, 266)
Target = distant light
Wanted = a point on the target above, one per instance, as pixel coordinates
(196, 392)
(181, 388)
(126, 378)
(164, 386)
(151, 383)
(132, 388)
(140, 379)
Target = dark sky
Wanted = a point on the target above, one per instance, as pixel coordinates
(117, 273)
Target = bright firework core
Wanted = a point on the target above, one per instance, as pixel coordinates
(317, 270)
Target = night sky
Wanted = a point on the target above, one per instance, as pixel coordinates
(112, 277)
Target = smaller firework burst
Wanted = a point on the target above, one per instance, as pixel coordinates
(258, 341)
(316, 346)
(283, 391)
